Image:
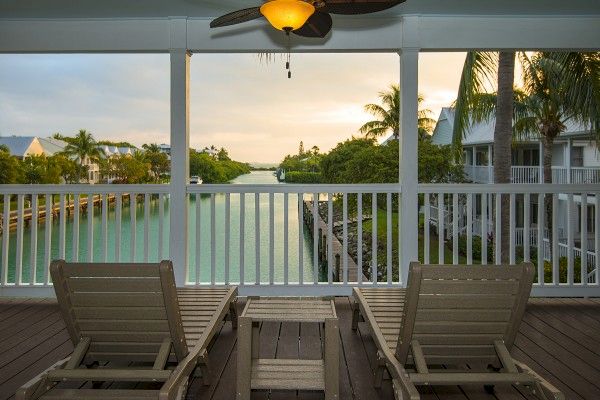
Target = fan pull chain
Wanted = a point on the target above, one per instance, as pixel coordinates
(287, 63)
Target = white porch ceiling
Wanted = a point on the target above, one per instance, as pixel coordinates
(211, 8)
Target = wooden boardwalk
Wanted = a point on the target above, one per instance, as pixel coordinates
(559, 338)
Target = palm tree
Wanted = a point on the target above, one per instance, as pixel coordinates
(479, 71)
(558, 87)
(389, 114)
(83, 147)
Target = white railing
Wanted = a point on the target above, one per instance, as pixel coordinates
(531, 174)
(297, 239)
(304, 239)
(45, 222)
(561, 271)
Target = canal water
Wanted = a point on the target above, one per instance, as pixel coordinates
(204, 247)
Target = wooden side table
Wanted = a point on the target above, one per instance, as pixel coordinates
(285, 374)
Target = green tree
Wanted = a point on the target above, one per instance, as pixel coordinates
(39, 169)
(159, 161)
(83, 147)
(223, 154)
(388, 114)
(9, 166)
(127, 169)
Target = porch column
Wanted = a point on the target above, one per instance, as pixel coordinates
(408, 142)
(568, 159)
(541, 161)
(180, 138)
(489, 164)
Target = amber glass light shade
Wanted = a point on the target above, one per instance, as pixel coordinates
(287, 14)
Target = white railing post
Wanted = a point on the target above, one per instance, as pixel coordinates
(180, 136)
(409, 218)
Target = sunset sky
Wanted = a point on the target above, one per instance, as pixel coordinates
(238, 101)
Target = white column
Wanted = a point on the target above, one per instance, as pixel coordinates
(568, 159)
(541, 162)
(180, 139)
(489, 163)
(409, 217)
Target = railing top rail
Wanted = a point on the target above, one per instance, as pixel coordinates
(508, 188)
(296, 188)
(82, 189)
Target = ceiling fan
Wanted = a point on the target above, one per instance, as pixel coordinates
(307, 18)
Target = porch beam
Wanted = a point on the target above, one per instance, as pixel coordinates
(383, 34)
(180, 140)
(408, 142)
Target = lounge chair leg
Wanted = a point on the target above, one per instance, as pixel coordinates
(203, 369)
(355, 315)
(379, 370)
(233, 313)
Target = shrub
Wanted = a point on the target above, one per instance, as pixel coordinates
(302, 177)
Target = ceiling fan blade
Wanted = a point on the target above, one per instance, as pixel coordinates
(236, 17)
(317, 26)
(358, 7)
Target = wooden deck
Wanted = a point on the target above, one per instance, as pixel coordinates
(559, 338)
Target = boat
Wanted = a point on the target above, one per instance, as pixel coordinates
(195, 180)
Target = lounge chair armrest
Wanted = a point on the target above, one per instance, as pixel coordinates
(549, 389)
(183, 370)
(404, 389)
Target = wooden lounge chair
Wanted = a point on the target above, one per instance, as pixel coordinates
(452, 316)
(129, 315)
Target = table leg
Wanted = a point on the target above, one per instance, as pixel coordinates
(332, 359)
(244, 358)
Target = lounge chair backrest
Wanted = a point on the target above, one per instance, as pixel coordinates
(457, 312)
(127, 310)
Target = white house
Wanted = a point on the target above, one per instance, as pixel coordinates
(575, 157)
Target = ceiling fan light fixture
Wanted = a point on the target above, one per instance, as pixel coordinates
(287, 15)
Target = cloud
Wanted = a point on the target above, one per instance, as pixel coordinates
(237, 101)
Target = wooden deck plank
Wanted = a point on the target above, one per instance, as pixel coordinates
(559, 339)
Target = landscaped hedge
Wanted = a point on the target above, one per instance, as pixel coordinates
(302, 177)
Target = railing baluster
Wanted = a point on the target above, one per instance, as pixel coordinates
(570, 239)
(47, 237)
(242, 235)
(584, 244)
(597, 236)
(316, 238)
(498, 233)
(455, 216)
(118, 220)
(75, 251)
(554, 244)
(146, 226)
(198, 238)
(540, 239)
(271, 238)
(62, 228)
(374, 266)
(133, 225)
(484, 228)
(285, 238)
(512, 221)
(90, 228)
(161, 225)
(345, 237)
(19, 255)
(33, 249)
(389, 236)
(359, 237)
(470, 228)
(5, 238)
(257, 237)
(301, 238)
(213, 240)
(441, 228)
(329, 238)
(426, 219)
(227, 235)
(104, 200)
(526, 226)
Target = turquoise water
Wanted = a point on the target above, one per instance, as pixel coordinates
(205, 246)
